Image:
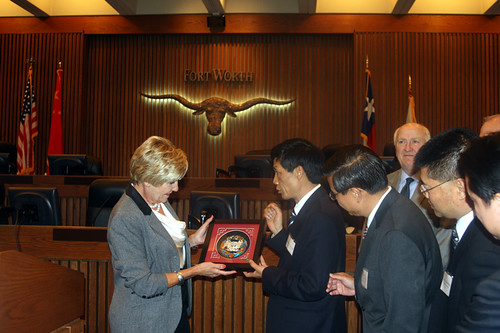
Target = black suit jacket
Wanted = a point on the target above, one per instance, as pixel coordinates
(399, 269)
(483, 313)
(476, 257)
(298, 300)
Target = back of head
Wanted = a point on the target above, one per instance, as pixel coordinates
(157, 161)
(491, 125)
(480, 163)
(294, 152)
(356, 166)
(440, 155)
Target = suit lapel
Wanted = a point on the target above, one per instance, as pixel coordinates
(304, 211)
(463, 245)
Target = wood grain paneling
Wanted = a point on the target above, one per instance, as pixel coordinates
(47, 50)
(315, 71)
(455, 78)
(227, 304)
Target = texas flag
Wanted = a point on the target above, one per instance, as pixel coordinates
(368, 126)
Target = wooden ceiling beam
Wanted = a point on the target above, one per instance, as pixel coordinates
(494, 9)
(402, 7)
(215, 7)
(124, 7)
(307, 6)
(33, 9)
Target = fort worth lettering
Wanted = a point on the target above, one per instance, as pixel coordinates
(219, 75)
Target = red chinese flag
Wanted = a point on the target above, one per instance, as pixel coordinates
(56, 136)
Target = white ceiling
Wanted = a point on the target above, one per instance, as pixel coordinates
(20, 8)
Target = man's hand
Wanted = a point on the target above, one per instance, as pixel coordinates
(273, 216)
(258, 268)
(341, 284)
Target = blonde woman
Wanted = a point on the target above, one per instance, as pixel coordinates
(150, 247)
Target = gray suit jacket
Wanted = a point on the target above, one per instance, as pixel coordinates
(440, 226)
(398, 271)
(142, 252)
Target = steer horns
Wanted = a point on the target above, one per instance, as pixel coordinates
(216, 108)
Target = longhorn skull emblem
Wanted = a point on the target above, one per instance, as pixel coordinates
(216, 108)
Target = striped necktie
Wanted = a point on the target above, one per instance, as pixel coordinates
(292, 218)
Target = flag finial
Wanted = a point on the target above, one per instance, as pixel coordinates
(367, 61)
(409, 82)
(59, 64)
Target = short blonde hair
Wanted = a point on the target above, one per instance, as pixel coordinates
(157, 161)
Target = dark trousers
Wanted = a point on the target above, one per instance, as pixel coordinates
(183, 326)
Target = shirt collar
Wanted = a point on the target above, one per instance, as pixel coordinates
(374, 210)
(300, 204)
(463, 223)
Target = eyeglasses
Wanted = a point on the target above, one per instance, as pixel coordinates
(333, 196)
(425, 191)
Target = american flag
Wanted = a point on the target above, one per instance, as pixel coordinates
(28, 130)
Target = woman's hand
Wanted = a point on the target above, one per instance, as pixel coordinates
(198, 237)
(210, 269)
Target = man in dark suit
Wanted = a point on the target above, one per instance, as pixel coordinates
(312, 245)
(408, 139)
(399, 268)
(474, 254)
(480, 165)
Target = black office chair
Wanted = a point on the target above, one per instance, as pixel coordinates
(203, 204)
(9, 165)
(4, 211)
(104, 193)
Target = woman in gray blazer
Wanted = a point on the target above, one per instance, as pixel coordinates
(150, 247)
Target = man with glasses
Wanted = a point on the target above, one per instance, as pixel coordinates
(474, 255)
(399, 269)
(407, 141)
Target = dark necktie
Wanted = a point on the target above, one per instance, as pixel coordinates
(292, 218)
(406, 189)
(454, 239)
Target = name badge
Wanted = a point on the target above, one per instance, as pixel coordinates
(290, 245)
(364, 278)
(446, 283)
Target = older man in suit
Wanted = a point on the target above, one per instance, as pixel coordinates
(474, 254)
(399, 269)
(408, 139)
(312, 246)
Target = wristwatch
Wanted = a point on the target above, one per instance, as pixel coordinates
(180, 277)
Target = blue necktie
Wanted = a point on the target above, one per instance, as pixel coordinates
(406, 189)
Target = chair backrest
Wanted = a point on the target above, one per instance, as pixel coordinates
(104, 193)
(35, 205)
(222, 205)
(9, 163)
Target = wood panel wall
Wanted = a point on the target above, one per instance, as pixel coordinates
(46, 50)
(314, 71)
(455, 78)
